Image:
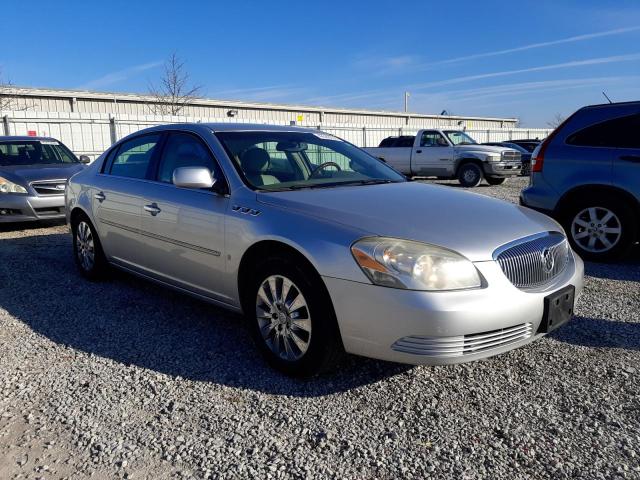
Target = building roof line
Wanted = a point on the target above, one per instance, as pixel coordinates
(210, 102)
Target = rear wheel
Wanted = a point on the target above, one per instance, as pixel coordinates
(495, 180)
(600, 229)
(87, 250)
(291, 319)
(470, 175)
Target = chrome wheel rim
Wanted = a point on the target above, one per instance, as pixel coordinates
(85, 247)
(283, 317)
(596, 229)
(470, 175)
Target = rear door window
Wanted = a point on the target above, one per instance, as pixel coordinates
(622, 132)
(134, 156)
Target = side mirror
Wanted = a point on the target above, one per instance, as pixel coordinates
(193, 177)
(84, 159)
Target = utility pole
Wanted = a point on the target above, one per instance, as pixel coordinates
(406, 101)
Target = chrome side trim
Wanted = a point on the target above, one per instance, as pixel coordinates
(197, 248)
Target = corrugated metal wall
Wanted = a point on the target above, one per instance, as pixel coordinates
(66, 101)
(92, 133)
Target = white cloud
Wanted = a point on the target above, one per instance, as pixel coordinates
(576, 38)
(118, 76)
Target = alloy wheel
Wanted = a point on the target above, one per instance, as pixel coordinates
(596, 229)
(85, 246)
(283, 316)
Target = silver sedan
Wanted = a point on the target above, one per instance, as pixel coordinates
(324, 248)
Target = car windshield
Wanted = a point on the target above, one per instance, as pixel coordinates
(278, 160)
(529, 146)
(34, 152)
(459, 138)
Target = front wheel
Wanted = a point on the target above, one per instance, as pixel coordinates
(470, 175)
(291, 319)
(495, 180)
(600, 230)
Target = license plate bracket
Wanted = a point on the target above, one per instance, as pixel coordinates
(558, 309)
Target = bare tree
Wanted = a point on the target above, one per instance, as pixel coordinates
(557, 119)
(175, 91)
(7, 99)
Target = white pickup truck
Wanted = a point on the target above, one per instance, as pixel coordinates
(448, 154)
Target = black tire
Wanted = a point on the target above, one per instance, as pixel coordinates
(495, 180)
(624, 218)
(470, 175)
(97, 269)
(324, 345)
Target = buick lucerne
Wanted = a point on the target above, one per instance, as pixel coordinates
(324, 248)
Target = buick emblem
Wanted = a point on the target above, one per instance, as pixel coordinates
(548, 261)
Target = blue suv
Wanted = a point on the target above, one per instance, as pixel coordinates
(586, 174)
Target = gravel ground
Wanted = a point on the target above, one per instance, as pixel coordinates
(124, 379)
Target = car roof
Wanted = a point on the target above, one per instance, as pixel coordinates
(614, 104)
(22, 138)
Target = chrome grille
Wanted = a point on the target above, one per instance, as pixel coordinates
(534, 262)
(463, 344)
(511, 156)
(49, 187)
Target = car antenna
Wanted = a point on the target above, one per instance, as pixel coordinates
(605, 96)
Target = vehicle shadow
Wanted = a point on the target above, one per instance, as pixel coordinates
(626, 270)
(137, 322)
(600, 333)
(12, 227)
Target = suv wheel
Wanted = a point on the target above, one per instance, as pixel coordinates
(600, 230)
(87, 250)
(292, 320)
(470, 175)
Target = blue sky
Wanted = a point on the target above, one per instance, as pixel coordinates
(522, 59)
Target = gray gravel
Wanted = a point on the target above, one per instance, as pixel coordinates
(125, 379)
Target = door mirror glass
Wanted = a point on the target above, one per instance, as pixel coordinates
(193, 177)
(84, 159)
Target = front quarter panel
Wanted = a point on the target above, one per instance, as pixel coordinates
(327, 245)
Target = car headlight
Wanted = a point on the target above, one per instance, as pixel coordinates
(494, 158)
(392, 262)
(9, 187)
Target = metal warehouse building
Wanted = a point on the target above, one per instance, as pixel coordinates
(89, 122)
(42, 100)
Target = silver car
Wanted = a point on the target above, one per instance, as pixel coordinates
(33, 175)
(323, 247)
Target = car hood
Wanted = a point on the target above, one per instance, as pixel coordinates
(25, 174)
(469, 223)
(486, 149)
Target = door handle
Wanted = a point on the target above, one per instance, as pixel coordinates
(152, 209)
(418, 151)
(631, 158)
(100, 197)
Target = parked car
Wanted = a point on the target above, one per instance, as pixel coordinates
(586, 174)
(33, 175)
(449, 154)
(528, 144)
(525, 155)
(323, 247)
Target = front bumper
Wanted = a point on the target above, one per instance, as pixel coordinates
(503, 169)
(373, 319)
(27, 208)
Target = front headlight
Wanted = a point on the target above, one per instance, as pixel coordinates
(494, 158)
(391, 262)
(9, 187)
